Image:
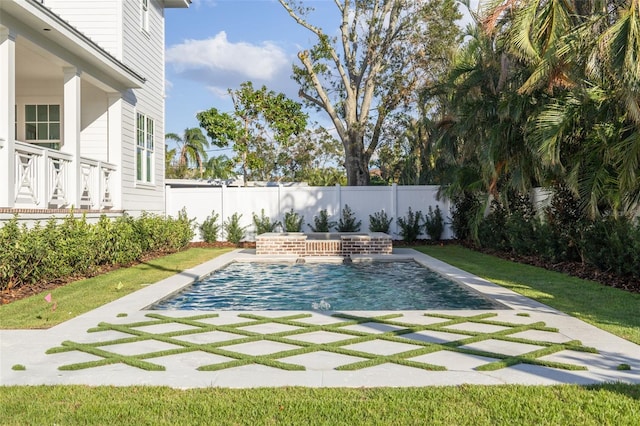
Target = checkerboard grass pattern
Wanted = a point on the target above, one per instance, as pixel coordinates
(296, 327)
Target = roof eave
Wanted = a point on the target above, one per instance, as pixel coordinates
(176, 4)
(69, 37)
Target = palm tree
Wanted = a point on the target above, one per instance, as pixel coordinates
(582, 60)
(219, 167)
(192, 146)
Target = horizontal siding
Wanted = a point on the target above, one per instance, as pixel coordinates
(144, 53)
(98, 20)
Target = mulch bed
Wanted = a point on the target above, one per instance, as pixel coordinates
(576, 269)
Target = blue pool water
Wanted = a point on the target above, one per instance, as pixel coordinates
(325, 286)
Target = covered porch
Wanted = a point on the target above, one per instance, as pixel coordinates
(61, 115)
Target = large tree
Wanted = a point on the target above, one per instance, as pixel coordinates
(260, 128)
(385, 51)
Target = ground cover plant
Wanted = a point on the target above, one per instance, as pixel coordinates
(613, 404)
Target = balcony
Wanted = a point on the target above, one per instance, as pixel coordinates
(42, 180)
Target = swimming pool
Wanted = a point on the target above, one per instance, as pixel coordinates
(325, 286)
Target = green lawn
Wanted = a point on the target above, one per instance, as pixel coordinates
(461, 405)
(608, 308)
(613, 310)
(85, 295)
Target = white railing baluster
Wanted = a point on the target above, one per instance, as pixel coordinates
(42, 179)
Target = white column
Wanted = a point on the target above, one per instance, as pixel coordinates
(71, 132)
(114, 146)
(7, 116)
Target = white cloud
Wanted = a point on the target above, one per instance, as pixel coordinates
(219, 56)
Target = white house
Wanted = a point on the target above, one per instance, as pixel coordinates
(82, 106)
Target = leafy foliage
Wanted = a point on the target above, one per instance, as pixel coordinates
(347, 221)
(293, 221)
(380, 222)
(74, 247)
(410, 225)
(260, 128)
(192, 152)
(210, 228)
(373, 70)
(465, 210)
(434, 223)
(264, 224)
(233, 231)
(321, 222)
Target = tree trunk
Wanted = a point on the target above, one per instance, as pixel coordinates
(356, 160)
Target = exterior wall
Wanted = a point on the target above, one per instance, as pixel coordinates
(99, 20)
(94, 125)
(307, 201)
(115, 25)
(144, 53)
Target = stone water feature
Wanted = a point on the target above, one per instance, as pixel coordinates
(343, 244)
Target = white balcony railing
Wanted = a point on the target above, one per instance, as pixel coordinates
(42, 179)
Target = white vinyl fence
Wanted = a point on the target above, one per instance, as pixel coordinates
(199, 203)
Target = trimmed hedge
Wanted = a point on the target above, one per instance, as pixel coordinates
(73, 247)
(560, 233)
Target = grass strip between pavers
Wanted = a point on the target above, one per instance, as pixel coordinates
(340, 346)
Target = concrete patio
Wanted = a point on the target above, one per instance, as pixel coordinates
(123, 344)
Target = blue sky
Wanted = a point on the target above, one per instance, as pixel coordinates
(216, 45)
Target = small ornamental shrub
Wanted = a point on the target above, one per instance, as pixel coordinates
(613, 244)
(264, 224)
(234, 232)
(522, 226)
(410, 226)
(492, 229)
(293, 221)
(379, 222)
(210, 228)
(566, 223)
(321, 222)
(434, 223)
(347, 221)
(465, 212)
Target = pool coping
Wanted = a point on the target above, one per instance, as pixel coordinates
(28, 347)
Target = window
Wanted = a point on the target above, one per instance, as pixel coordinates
(144, 148)
(42, 124)
(144, 22)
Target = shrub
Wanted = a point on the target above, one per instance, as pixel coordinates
(410, 225)
(72, 247)
(613, 244)
(434, 223)
(465, 211)
(379, 222)
(347, 221)
(522, 226)
(566, 222)
(491, 230)
(293, 221)
(263, 223)
(235, 233)
(321, 222)
(210, 228)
